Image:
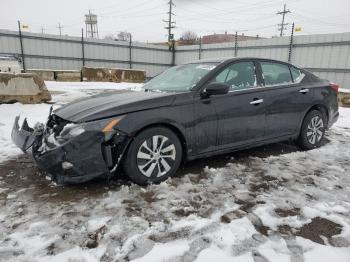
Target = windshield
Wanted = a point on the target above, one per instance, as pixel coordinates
(179, 78)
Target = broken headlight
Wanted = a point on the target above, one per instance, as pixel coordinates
(106, 126)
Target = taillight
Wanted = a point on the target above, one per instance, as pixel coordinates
(335, 87)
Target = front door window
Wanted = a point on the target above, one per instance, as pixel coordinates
(238, 76)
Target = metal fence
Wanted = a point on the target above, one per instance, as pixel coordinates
(71, 53)
(326, 55)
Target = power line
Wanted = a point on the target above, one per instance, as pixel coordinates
(239, 8)
(208, 30)
(146, 2)
(319, 20)
(283, 24)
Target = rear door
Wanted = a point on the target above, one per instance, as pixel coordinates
(285, 97)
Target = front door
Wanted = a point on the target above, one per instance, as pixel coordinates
(241, 112)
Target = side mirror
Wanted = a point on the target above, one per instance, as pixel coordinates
(216, 89)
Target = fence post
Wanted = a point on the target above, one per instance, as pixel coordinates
(173, 52)
(82, 54)
(130, 51)
(236, 44)
(22, 50)
(200, 49)
(291, 45)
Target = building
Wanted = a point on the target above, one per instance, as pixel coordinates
(223, 38)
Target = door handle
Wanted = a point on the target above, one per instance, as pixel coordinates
(304, 91)
(257, 101)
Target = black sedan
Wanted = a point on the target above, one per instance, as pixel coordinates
(190, 111)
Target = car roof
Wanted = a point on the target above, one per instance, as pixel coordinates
(232, 59)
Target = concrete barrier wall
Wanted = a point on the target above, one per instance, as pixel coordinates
(90, 74)
(113, 75)
(344, 99)
(57, 75)
(23, 88)
(67, 76)
(46, 75)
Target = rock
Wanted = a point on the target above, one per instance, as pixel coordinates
(91, 243)
(228, 217)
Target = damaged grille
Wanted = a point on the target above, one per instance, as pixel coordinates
(48, 141)
(55, 124)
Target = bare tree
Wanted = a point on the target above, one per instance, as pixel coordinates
(189, 35)
(124, 36)
(188, 38)
(110, 37)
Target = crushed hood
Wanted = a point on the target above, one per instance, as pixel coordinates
(111, 104)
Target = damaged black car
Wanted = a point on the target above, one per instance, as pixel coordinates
(190, 111)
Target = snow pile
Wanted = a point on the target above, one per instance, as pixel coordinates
(68, 86)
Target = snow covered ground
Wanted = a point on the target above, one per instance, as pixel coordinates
(273, 203)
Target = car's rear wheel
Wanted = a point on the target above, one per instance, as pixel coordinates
(312, 130)
(154, 155)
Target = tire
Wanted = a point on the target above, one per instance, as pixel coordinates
(145, 164)
(312, 130)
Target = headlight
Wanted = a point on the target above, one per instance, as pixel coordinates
(105, 125)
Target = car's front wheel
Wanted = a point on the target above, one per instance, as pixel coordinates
(312, 130)
(154, 155)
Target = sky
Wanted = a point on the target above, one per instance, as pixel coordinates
(144, 18)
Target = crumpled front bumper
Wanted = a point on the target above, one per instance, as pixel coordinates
(78, 160)
(25, 136)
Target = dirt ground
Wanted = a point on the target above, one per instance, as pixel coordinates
(22, 174)
(22, 177)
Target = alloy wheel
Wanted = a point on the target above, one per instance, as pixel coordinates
(315, 130)
(156, 156)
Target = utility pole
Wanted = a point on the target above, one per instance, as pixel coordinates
(200, 49)
(236, 43)
(283, 25)
(291, 45)
(21, 43)
(130, 50)
(82, 48)
(60, 28)
(170, 23)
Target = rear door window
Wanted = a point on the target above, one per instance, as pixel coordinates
(238, 76)
(276, 74)
(296, 74)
